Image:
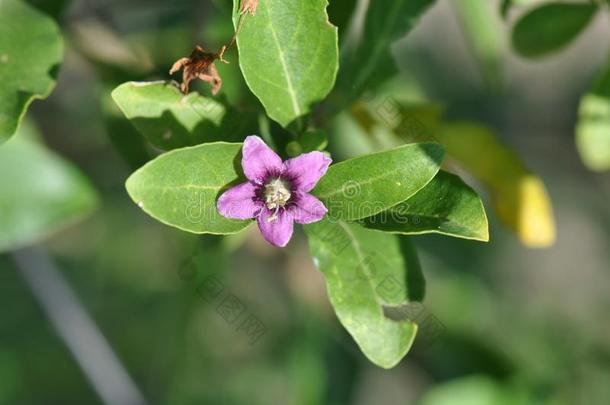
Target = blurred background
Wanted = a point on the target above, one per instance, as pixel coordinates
(511, 325)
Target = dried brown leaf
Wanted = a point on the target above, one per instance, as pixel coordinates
(248, 6)
(200, 65)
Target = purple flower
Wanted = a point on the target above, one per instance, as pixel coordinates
(276, 193)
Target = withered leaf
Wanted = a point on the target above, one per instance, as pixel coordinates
(200, 65)
(248, 6)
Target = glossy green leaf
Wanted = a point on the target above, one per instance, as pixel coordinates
(519, 196)
(41, 193)
(170, 119)
(446, 205)
(180, 187)
(593, 128)
(366, 185)
(30, 54)
(370, 61)
(288, 54)
(371, 277)
(550, 27)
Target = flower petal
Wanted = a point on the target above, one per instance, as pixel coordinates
(278, 230)
(258, 160)
(239, 202)
(307, 209)
(306, 170)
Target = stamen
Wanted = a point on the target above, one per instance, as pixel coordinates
(276, 195)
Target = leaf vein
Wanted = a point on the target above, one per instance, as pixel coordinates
(365, 270)
(290, 88)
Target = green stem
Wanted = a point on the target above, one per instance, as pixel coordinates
(481, 29)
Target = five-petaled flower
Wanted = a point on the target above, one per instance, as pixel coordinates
(276, 193)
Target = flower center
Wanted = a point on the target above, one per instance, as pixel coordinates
(277, 193)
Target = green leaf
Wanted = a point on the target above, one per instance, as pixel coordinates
(288, 54)
(485, 34)
(550, 27)
(180, 188)
(371, 277)
(519, 196)
(446, 205)
(125, 138)
(41, 193)
(370, 60)
(593, 128)
(30, 53)
(366, 185)
(170, 119)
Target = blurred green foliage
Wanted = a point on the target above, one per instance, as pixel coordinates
(518, 327)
